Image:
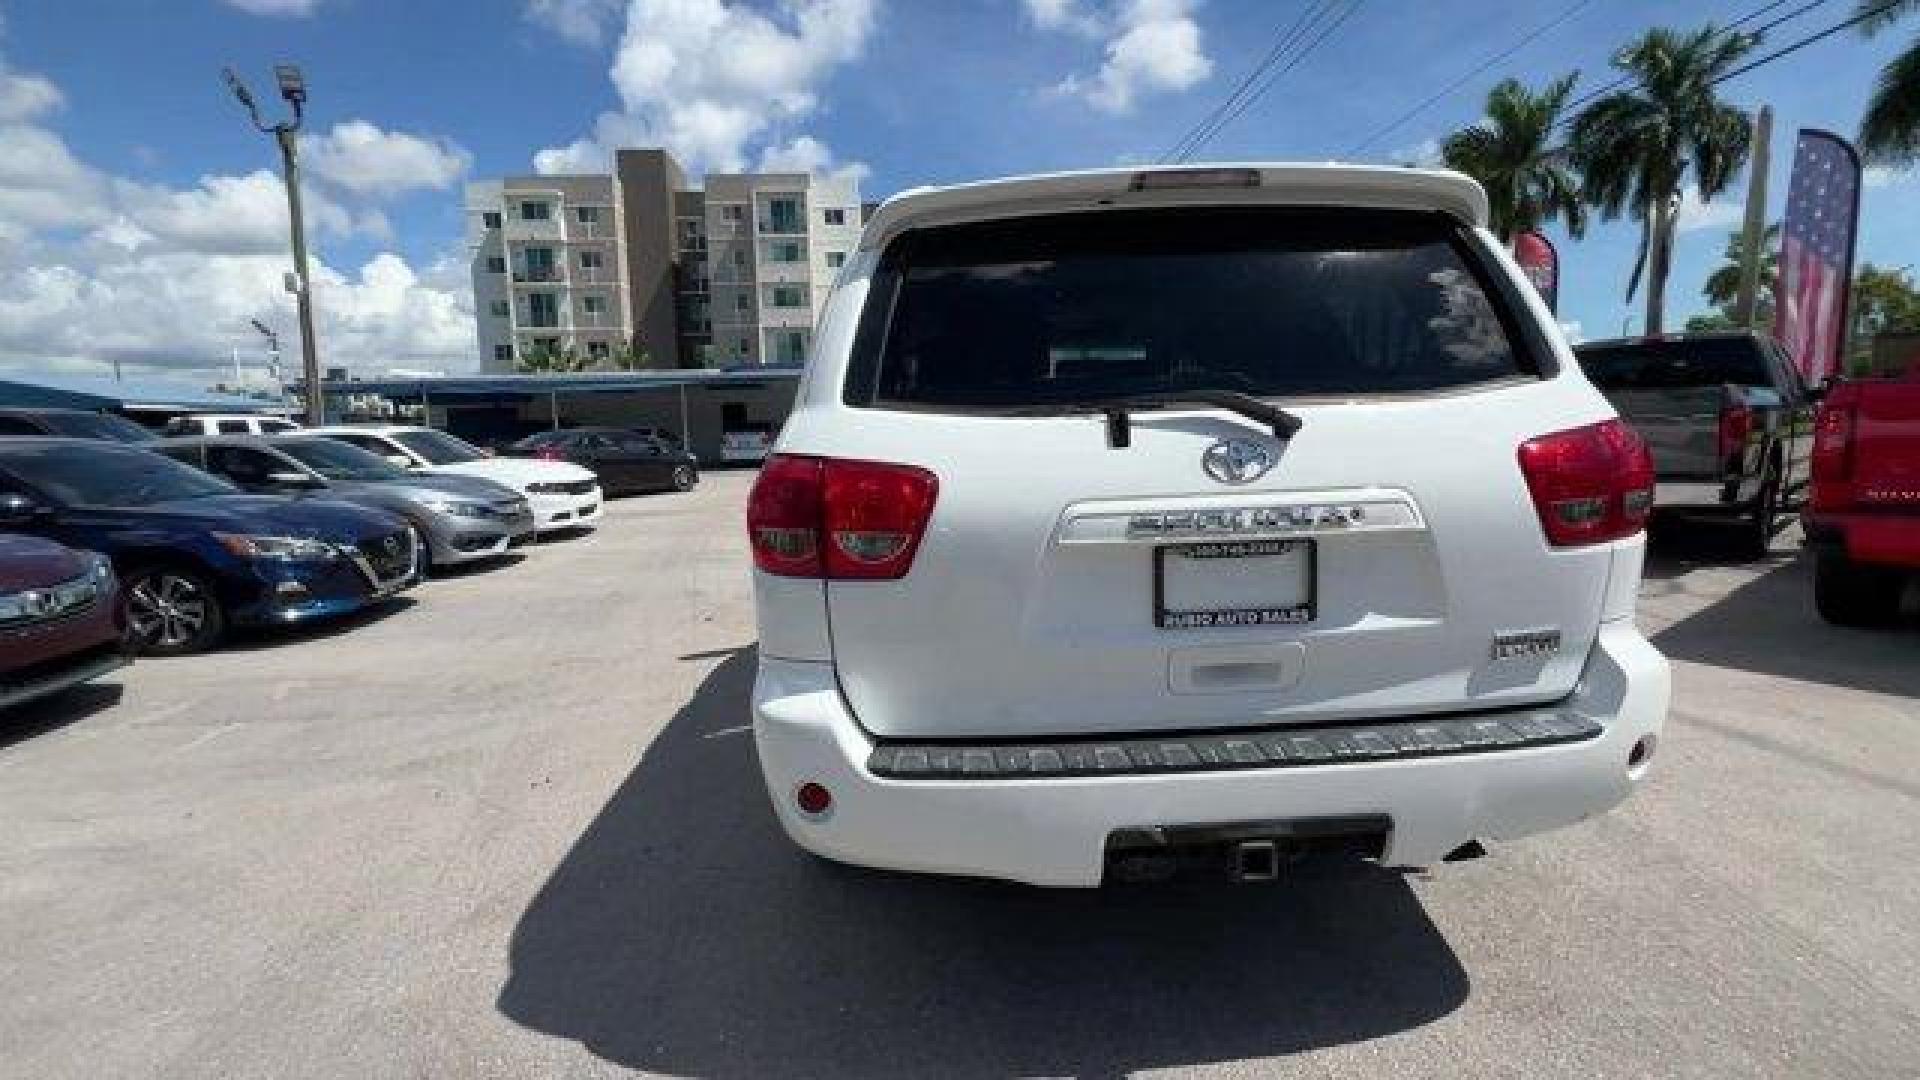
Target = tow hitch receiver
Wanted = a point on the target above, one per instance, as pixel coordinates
(1255, 860)
(1243, 852)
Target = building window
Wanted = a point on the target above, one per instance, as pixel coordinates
(540, 264)
(535, 211)
(501, 310)
(785, 251)
(740, 301)
(789, 296)
(496, 264)
(739, 256)
(783, 216)
(836, 259)
(593, 305)
(733, 212)
(599, 350)
(834, 215)
(543, 309)
(592, 260)
(502, 354)
(491, 219)
(587, 215)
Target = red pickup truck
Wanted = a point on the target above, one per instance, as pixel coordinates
(1863, 516)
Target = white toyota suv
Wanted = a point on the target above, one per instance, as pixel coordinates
(1128, 522)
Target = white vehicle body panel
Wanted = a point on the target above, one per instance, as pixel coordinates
(1028, 610)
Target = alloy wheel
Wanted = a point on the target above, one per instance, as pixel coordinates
(167, 610)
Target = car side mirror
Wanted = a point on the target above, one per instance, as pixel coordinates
(17, 509)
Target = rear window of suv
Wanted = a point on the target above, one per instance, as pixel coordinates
(1274, 302)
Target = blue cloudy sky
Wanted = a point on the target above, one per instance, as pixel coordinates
(140, 218)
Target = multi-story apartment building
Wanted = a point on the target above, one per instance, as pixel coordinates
(732, 274)
(548, 270)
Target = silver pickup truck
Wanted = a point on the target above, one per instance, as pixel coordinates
(1728, 419)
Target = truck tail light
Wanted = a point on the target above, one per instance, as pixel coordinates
(1589, 484)
(1736, 425)
(1833, 444)
(833, 518)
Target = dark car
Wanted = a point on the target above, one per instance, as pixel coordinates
(72, 424)
(459, 519)
(626, 461)
(1727, 417)
(195, 555)
(59, 617)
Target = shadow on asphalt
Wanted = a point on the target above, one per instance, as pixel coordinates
(685, 934)
(56, 711)
(478, 567)
(1769, 626)
(256, 638)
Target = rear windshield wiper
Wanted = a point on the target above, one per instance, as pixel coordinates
(1120, 407)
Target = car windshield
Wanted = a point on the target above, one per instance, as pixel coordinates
(1646, 365)
(1272, 303)
(338, 461)
(95, 474)
(98, 426)
(438, 447)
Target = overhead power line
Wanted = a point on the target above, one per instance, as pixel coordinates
(1283, 40)
(1525, 39)
(1247, 100)
(1573, 107)
(1809, 40)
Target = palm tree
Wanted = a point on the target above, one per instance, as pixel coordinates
(1723, 285)
(1528, 180)
(1637, 147)
(1890, 132)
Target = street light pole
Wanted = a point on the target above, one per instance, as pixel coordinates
(292, 88)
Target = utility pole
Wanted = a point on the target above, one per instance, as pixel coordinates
(1746, 309)
(293, 88)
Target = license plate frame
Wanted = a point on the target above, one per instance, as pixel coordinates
(1220, 618)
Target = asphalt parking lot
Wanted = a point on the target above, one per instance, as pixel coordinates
(512, 826)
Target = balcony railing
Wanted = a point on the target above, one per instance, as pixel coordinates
(782, 227)
(589, 230)
(539, 273)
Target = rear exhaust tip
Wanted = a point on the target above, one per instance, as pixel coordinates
(1255, 860)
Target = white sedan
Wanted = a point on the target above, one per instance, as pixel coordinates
(562, 496)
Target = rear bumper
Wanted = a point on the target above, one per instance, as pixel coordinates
(1700, 497)
(1874, 539)
(1054, 830)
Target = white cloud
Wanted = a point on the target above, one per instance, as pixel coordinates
(807, 154)
(1881, 176)
(1424, 154)
(1153, 46)
(101, 267)
(287, 8)
(365, 160)
(583, 22)
(1067, 15)
(1696, 215)
(23, 97)
(710, 80)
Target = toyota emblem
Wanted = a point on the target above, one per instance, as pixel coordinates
(1236, 461)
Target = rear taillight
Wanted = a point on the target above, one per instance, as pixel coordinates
(847, 520)
(1736, 426)
(1833, 444)
(1589, 484)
